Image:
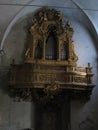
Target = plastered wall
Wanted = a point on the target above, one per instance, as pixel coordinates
(15, 18)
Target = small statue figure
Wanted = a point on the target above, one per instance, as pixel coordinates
(27, 52)
(61, 17)
(73, 55)
(69, 30)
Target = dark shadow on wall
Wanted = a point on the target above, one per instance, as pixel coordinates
(4, 79)
(87, 124)
(51, 116)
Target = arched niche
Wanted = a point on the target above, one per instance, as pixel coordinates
(64, 52)
(38, 50)
(51, 47)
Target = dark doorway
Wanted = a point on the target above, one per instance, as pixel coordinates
(52, 117)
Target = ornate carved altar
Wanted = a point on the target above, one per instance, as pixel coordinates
(50, 68)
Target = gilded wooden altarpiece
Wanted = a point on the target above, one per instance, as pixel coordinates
(47, 77)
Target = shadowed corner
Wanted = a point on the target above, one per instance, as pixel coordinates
(4, 73)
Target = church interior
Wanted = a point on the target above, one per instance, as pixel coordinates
(48, 65)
